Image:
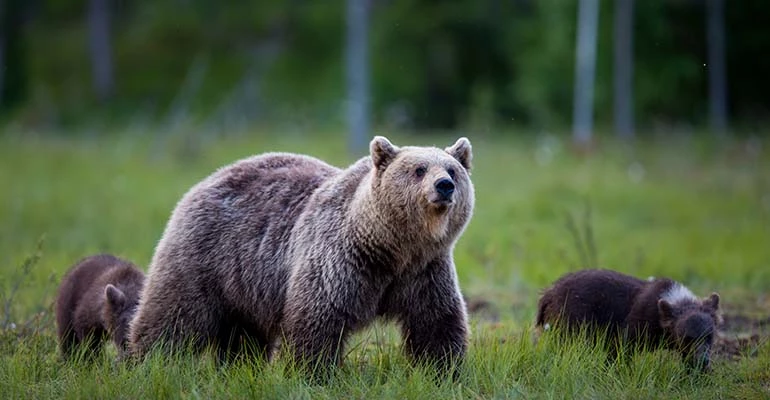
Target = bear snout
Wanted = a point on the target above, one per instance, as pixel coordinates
(444, 187)
(700, 359)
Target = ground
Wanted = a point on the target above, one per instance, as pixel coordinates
(687, 207)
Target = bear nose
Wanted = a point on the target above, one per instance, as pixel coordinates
(445, 187)
(700, 363)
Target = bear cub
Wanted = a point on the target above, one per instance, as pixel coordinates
(645, 313)
(97, 299)
(284, 246)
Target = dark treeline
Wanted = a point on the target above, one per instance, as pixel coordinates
(436, 65)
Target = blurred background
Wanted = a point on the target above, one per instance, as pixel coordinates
(624, 66)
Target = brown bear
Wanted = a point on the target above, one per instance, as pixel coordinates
(97, 298)
(286, 246)
(646, 313)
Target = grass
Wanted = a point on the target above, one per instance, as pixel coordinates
(692, 209)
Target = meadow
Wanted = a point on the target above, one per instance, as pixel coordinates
(683, 206)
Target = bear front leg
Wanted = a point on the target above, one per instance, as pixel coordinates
(316, 340)
(90, 341)
(321, 313)
(433, 317)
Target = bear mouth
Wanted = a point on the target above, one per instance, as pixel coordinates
(441, 205)
(440, 199)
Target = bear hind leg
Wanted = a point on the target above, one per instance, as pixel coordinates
(173, 327)
(237, 342)
(68, 342)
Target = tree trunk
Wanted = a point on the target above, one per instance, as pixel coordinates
(101, 52)
(623, 68)
(357, 73)
(715, 37)
(585, 71)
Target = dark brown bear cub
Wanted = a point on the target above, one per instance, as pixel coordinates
(646, 313)
(97, 298)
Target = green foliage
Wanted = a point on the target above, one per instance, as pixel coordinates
(434, 64)
(671, 59)
(14, 76)
(543, 51)
(686, 209)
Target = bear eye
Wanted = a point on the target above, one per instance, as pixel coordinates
(451, 172)
(420, 171)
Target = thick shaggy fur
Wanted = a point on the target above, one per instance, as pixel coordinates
(97, 299)
(286, 246)
(647, 313)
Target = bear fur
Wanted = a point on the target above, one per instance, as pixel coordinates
(97, 299)
(286, 246)
(646, 313)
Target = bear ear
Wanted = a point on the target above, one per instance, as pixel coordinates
(462, 152)
(666, 311)
(712, 301)
(382, 152)
(115, 297)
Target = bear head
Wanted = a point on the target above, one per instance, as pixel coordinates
(117, 313)
(693, 325)
(426, 187)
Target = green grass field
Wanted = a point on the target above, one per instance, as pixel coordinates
(691, 209)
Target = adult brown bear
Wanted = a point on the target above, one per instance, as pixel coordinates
(286, 246)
